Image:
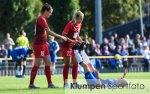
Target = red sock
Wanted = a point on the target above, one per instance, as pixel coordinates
(33, 74)
(65, 73)
(48, 74)
(74, 73)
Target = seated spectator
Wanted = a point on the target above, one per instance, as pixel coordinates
(132, 51)
(124, 52)
(139, 49)
(128, 41)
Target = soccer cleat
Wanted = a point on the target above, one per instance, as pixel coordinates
(33, 87)
(82, 46)
(52, 86)
(75, 47)
(66, 85)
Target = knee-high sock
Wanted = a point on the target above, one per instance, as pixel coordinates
(65, 73)
(24, 70)
(78, 56)
(20, 70)
(33, 74)
(48, 74)
(74, 73)
(85, 57)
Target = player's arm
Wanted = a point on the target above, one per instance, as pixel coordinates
(57, 48)
(55, 35)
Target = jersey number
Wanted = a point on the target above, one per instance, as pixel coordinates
(42, 53)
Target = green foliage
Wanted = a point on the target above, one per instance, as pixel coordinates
(88, 8)
(17, 14)
(63, 12)
(117, 12)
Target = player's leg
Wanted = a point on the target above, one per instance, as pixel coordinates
(53, 60)
(74, 69)
(47, 61)
(66, 54)
(80, 61)
(34, 72)
(38, 53)
(24, 66)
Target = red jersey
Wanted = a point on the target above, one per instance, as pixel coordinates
(72, 31)
(40, 32)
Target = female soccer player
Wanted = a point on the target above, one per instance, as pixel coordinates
(71, 31)
(40, 46)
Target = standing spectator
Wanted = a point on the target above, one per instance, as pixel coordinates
(3, 54)
(53, 49)
(8, 43)
(146, 54)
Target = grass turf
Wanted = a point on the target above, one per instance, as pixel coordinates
(12, 85)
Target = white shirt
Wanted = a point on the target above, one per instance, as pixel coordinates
(146, 53)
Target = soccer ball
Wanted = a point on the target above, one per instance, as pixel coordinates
(117, 57)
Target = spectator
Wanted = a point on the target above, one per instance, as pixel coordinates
(139, 49)
(146, 54)
(144, 42)
(112, 42)
(137, 40)
(124, 52)
(8, 43)
(3, 54)
(87, 44)
(116, 39)
(92, 47)
(106, 51)
(105, 43)
(148, 41)
(128, 41)
(132, 51)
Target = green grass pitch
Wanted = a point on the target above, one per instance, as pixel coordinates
(13, 85)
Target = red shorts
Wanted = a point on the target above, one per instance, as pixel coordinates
(41, 51)
(67, 52)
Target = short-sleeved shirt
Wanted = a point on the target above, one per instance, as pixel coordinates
(22, 41)
(72, 31)
(53, 45)
(19, 52)
(40, 32)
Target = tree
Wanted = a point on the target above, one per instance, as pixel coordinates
(15, 15)
(114, 12)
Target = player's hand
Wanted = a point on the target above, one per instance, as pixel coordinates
(76, 42)
(64, 38)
